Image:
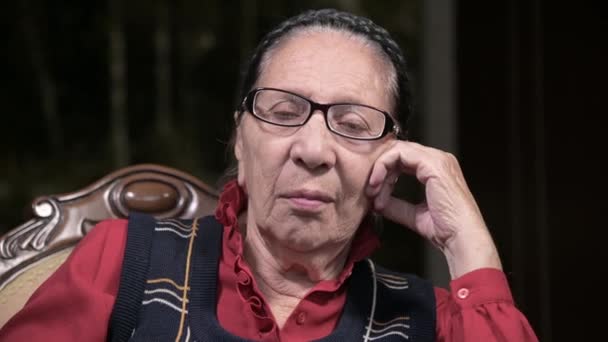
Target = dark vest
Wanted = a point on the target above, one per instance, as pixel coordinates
(168, 288)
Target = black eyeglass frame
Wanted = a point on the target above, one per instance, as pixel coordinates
(389, 123)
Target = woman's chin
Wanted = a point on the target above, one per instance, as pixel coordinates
(301, 234)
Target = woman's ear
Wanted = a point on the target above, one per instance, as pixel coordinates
(238, 153)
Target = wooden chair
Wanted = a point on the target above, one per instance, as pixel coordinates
(32, 251)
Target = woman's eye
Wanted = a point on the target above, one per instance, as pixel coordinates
(285, 111)
(351, 124)
(285, 115)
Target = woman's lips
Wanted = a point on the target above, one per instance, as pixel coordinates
(307, 200)
(306, 204)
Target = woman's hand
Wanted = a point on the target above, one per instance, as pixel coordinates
(449, 218)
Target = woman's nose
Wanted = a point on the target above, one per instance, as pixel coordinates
(313, 145)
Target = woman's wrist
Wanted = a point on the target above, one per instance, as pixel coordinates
(468, 252)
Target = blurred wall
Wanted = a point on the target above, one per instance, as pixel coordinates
(531, 84)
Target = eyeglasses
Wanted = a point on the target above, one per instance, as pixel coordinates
(287, 109)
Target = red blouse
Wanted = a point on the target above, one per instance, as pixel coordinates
(75, 303)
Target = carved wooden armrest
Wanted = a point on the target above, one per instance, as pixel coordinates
(60, 221)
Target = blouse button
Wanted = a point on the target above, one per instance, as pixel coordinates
(463, 293)
(301, 318)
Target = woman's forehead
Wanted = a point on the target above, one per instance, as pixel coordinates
(328, 66)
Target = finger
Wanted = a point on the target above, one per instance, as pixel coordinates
(386, 190)
(407, 157)
(381, 171)
(400, 211)
(376, 179)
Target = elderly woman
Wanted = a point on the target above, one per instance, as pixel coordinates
(318, 150)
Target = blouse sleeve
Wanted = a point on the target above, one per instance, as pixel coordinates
(75, 302)
(480, 308)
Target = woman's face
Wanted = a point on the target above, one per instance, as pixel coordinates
(305, 185)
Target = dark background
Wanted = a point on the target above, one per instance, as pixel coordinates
(88, 88)
(532, 83)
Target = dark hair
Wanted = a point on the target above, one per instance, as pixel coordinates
(341, 21)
